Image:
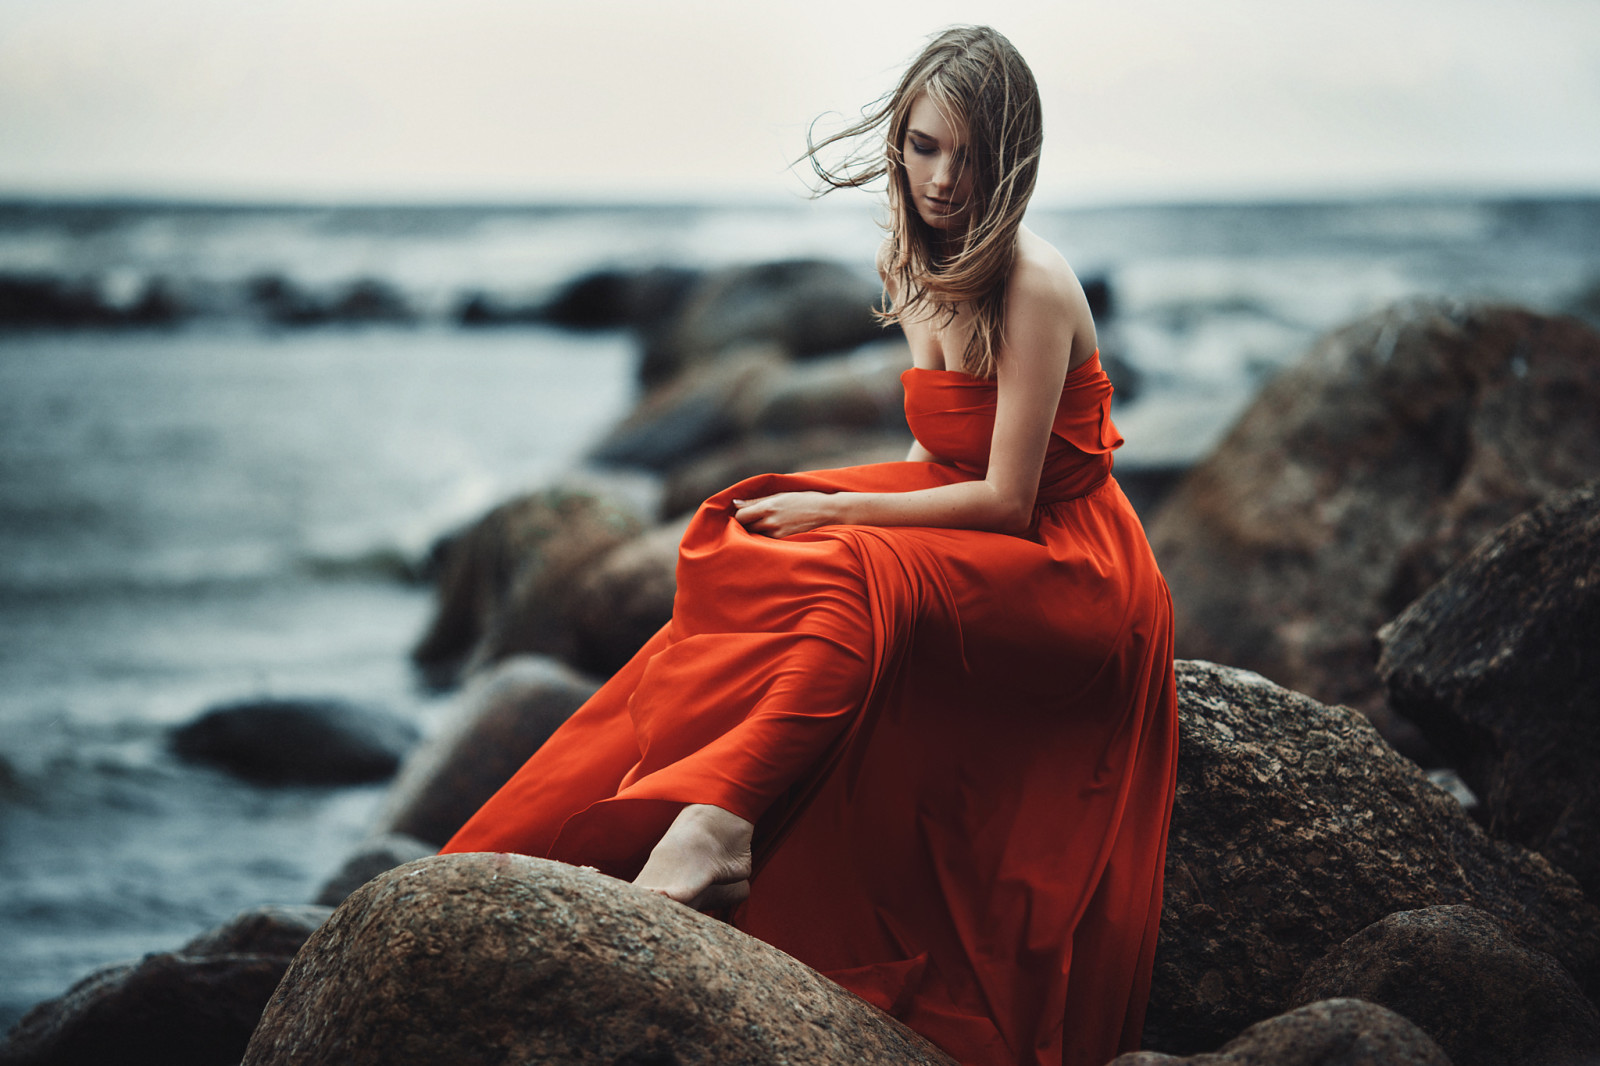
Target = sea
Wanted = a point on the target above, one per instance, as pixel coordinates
(222, 465)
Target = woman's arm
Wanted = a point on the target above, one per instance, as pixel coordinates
(1041, 318)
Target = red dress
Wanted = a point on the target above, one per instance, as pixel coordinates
(959, 748)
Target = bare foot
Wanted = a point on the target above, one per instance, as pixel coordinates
(703, 861)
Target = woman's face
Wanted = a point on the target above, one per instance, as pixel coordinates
(936, 167)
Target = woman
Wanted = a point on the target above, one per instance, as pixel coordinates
(915, 722)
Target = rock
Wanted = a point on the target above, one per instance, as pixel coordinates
(622, 601)
(805, 307)
(613, 299)
(1360, 474)
(1097, 289)
(304, 741)
(1334, 1032)
(692, 483)
(42, 301)
(368, 861)
(1454, 971)
(194, 1007)
(274, 929)
(861, 390)
(490, 958)
(1497, 664)
(501, 719)
(497, 579)
(1295, 827)
(284, 303)
(694, 412)
(483, 309)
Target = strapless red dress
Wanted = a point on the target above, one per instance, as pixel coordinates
(959, 748)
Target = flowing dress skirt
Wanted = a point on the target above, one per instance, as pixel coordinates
(958, 748)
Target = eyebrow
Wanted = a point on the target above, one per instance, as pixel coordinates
(924, 136)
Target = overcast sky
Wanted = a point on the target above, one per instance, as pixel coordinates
(655, 99)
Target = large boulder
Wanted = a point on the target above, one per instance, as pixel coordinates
(1498, 665)
(624, 599)
(805, 307)
(497, 579)
(193, 1007)
(492, 958)
(500, 720)
(824, 448)
(1295, 827)
(1335, 1032)
(1359, 475)
(614, 299)
(693, 413)
(1486, 998)
(298, 741)
(858, 390)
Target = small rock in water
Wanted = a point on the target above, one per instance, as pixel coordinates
(290, 741)
(194, 1007)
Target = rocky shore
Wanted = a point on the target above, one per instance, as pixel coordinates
(1422, 484)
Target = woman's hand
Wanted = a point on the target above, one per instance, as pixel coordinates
(786, 513)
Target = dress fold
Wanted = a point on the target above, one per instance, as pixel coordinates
(958, 747)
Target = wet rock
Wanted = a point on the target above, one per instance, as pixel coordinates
(691, 484)
(613, 299)
(498, 578)
(857, 391)
(194, 1007)
(1334, 1032)
(364, 300)
(1295, 827)
(1483, 996)
(1359, 475)
(624, 599)
(1498, 665)
(275, 929)
(43, 301)
(695, 412)
(804, 307)
(289, 741)
(482, 309)
(501, 719)
(483, 958)
(368, 861)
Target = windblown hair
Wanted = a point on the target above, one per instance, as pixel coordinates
(984, 89)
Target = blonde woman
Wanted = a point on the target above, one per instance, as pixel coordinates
(915, 723)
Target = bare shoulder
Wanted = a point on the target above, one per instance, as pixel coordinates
(1045, 297)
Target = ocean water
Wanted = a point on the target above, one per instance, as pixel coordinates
(222, 508)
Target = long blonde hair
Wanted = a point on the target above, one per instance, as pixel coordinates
(983, 87)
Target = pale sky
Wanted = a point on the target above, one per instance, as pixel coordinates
(527, 100)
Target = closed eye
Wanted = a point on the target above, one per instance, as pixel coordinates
(923, 149)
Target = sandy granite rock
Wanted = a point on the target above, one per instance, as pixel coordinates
(1295, 827)
(1499, 664)
(1484, 997)
(479, 958)
(1361, 473)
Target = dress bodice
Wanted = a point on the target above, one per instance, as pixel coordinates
(952, 414)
